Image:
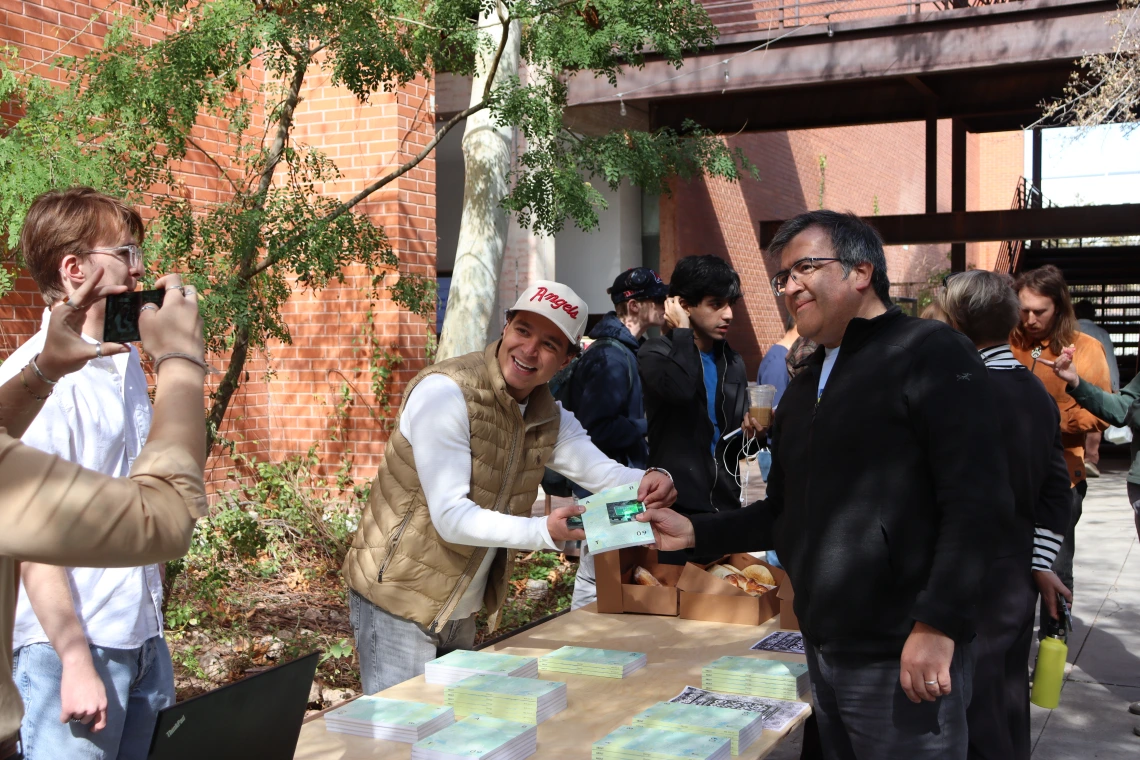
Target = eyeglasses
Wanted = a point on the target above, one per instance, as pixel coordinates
(132, 254)
(798, 272)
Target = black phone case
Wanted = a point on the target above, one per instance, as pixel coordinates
(121, 319)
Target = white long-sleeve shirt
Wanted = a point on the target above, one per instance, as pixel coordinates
(436, 424)
(98, 417)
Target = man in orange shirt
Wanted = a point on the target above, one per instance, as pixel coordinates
(1047, 326)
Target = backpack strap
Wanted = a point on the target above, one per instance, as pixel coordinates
(631, 371)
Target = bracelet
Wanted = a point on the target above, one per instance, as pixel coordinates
(179, 355)
(36, 368)
(661, 469)
(28, 388)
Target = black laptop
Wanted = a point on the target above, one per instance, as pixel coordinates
(264, 711)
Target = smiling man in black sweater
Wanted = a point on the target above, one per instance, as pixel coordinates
(888, 478)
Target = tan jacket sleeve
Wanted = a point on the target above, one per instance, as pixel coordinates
(1091, 365)
(56, 512)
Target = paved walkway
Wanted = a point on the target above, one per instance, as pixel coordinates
(1092, 720)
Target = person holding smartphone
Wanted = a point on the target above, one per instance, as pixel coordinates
(88, 641)
(54, 511)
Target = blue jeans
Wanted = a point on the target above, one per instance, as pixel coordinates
(139, 683)
(392, 649)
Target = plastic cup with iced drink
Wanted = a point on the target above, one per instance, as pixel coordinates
(760, 404)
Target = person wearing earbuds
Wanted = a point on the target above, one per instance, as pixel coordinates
(457, 484)
(54, 511)
(88, 640)
(696, 390)
(888, 481)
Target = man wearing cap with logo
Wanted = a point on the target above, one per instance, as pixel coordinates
(604, 391)
(456, 486)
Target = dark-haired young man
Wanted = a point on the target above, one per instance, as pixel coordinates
(455, 488)
(696, 388)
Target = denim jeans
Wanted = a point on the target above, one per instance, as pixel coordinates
(392, 649)
(863, 713)
(139, 683)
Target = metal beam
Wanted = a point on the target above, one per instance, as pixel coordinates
(957, 188)
(1004, 34)
(983, 226)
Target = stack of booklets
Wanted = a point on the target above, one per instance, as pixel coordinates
(607, 663)
(740, 727)
(645, 743)
(392, 719)
(526, 700)
(455, 666)
(757, 677)
(479, 737)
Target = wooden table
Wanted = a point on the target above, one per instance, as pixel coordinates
(677, 650)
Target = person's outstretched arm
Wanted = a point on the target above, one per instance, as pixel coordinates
(56, 512)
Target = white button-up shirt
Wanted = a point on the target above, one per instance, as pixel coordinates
(98, 417)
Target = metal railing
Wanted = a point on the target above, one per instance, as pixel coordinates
(1024, 196)
(737, 16)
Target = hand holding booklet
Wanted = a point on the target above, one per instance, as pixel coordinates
(609, 520)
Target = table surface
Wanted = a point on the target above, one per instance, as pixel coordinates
(677, 650)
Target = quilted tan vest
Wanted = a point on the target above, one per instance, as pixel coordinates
(398, 561)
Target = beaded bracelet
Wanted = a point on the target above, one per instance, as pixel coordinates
(28, 388)
(179, 355)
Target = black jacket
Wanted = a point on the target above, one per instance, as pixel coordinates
(605, 394)
(884, 495)
(1038, 475)
(680, 431)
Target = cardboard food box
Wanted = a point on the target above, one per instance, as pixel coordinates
(706, 597)
(787, 595)
(618, 593)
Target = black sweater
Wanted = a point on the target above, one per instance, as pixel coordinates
(1031, 432)
(680, 431)
(883, 497)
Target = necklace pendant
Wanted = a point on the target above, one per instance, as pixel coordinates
(1036, 352)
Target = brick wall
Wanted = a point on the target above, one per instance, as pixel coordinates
(287, 402)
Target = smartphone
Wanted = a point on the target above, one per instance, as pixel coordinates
(121, 318)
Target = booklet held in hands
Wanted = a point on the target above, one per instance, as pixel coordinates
(609, 520)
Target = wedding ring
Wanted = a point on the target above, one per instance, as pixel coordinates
(98, 350)
(146, 306)
(931, 683)
(177, 287)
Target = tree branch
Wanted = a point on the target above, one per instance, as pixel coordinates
(343, 208)
(214, 161)
(491, 72)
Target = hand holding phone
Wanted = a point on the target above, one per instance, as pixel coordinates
(121, 317)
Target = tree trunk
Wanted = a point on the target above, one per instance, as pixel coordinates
(487, 153)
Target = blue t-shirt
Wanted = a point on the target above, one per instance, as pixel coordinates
(708, 364)
(774, 371)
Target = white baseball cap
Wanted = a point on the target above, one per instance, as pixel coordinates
(559, 304)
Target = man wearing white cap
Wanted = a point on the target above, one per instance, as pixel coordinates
(456, 487)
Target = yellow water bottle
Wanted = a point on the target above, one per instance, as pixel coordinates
(1049, 673)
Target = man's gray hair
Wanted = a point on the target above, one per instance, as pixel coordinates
(853, 240)
(982, 305)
